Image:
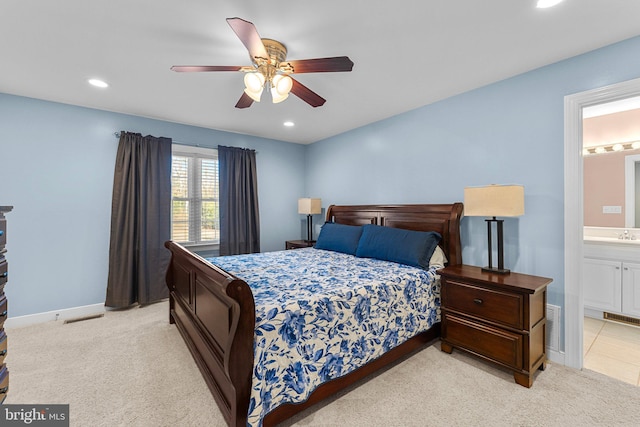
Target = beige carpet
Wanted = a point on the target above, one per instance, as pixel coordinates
(131, 368)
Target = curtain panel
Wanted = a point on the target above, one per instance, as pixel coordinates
(239, 213)
(140, 221)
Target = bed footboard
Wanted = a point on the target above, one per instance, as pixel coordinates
(215, 314)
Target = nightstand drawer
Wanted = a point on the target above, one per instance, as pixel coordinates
(4, 382)
(3, 346)
(3, 310)
(4, 272)
(497, 344)
(492, 305)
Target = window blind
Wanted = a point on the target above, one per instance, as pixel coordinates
(194, 210)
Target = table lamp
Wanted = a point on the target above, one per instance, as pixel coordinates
(309, 206)
(494, 201)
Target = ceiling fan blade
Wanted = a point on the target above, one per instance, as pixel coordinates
(191, 68)
(306, 94)
(249, 37)
(318, 65)
(245, 101)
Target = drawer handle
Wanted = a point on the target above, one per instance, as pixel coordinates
(3, 352)
(1, 232)
(3, 390)
(477, 301)
(5, 274)
(3, 314)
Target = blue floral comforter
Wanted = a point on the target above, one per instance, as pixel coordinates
(323, 314)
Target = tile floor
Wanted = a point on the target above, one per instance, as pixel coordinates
(613, 349)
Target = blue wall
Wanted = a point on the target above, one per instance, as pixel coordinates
(57, 164)
(510, 132)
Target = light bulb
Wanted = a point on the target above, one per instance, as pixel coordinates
(618, 147)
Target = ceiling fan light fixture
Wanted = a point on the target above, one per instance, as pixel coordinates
(276, 97)
(282, 83)
(254, 81)
(269, 66)
(253, 94)
(280, 87)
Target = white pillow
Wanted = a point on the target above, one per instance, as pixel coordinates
(438, 258)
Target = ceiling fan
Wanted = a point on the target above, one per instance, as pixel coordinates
(270, 68)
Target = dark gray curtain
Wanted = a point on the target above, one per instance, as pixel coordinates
(140, 221)
(239, 216)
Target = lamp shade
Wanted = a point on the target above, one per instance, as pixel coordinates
(308, 206)
(494, 200)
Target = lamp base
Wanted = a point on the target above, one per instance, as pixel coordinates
(496, 270)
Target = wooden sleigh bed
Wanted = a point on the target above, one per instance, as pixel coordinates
(216, 316)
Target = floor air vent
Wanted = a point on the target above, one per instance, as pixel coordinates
(620, 318)
(553, 327)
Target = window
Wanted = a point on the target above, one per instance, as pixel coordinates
(194, 196)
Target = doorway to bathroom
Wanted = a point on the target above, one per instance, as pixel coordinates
(611, 281)
(576, 340)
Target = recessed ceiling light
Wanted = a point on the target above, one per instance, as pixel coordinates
(289, 124)
(98, 83)
(543, 4)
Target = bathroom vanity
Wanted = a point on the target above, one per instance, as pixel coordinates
(611, 274)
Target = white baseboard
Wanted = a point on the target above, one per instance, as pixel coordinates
(555, 356)
(64, 314)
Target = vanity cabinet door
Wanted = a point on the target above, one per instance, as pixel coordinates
(631, 289)
(603, 284)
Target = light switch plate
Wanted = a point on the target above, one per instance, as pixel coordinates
(612, 209)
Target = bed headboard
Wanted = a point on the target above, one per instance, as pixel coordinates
(443, 218)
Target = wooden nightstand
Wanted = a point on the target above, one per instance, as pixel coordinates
(498, 317)
(297, 244)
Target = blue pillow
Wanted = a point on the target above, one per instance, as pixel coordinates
(339, 237)
(397, 245)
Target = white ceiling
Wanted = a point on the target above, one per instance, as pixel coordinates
(406, 53)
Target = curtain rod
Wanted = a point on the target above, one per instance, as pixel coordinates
(117, 135)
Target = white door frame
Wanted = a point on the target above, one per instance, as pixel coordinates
(574, 211)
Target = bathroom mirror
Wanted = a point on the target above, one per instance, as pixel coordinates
(611, 155)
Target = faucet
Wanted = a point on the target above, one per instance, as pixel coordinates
(626, 236)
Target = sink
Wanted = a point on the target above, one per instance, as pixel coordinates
(611, 235)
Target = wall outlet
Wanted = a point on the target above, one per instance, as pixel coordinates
(612, 209)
